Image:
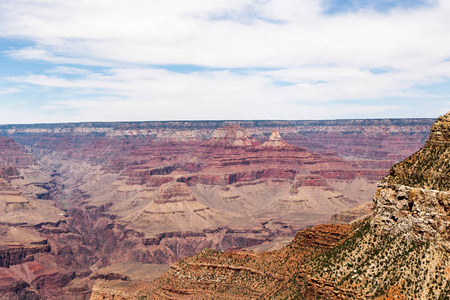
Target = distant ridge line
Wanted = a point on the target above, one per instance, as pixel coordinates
(220, 123)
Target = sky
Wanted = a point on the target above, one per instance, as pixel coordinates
(144, 60)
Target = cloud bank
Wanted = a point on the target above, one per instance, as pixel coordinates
(239, 59)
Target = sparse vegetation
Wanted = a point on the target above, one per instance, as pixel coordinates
(374, 265)
(428, 168)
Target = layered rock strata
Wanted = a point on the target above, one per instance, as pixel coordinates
(174, 192)
(175, 209)
(275, 140)
(13, 154)
(230, 137)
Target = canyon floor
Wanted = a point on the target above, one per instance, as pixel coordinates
(95, 208)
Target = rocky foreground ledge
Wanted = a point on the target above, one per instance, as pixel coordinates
(418, 214)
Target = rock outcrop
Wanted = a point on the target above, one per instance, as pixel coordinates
(419, 214)
(275, 140)
(9, 173)
(18, 254)
(230, 137)
(440, 132)
(414, 199)
(308, 180)
(174, 192)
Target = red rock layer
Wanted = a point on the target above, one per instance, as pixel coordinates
(15, 255)
(230, 137)
(13, 154)
(219, 164)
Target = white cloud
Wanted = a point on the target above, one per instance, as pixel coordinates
(180, 32)
(149, 94)
(68, 70)
(313, 58)
(11, 90)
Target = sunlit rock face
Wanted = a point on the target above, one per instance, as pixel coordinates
(231, 136)
(440, 132)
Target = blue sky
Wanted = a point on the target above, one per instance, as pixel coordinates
(110, 60)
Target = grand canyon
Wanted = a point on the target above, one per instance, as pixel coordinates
(101, 210)
(224, 150)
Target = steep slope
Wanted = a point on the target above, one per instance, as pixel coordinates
(247, 275)
(414, 199)
(392, 266)
(429, 168)
(14, 154)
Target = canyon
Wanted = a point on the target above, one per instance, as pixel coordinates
(400, 251)
(95, 209)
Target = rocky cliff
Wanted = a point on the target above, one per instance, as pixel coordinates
(414, 199)
(14, 154)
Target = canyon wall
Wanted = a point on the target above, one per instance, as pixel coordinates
(91, 195)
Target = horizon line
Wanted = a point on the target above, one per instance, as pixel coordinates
(214, 121)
